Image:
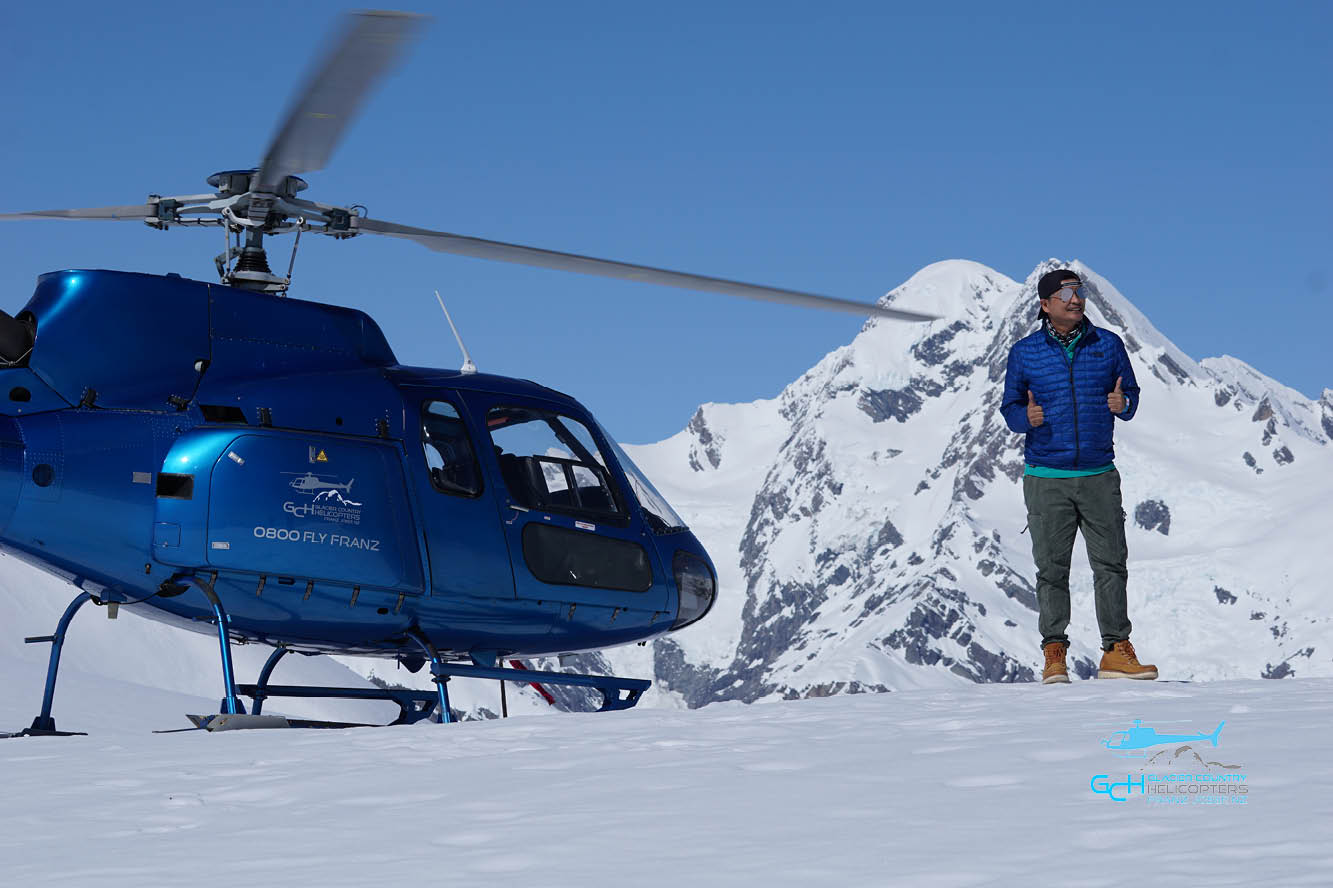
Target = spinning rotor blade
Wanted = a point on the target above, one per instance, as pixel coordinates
(370, 43)
(443, 242)
(133, 213)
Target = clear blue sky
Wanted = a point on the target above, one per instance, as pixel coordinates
(1182, 150)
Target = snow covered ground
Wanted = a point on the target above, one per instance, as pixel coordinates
(970, 785)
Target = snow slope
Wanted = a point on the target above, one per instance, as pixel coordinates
(967, 785)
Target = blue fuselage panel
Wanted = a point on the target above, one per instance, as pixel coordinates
(272, 501)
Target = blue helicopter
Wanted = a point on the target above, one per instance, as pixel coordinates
(264, 469)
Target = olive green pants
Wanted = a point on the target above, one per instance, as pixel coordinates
(1057, 509)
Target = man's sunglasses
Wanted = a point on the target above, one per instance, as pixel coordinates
(1069, 291)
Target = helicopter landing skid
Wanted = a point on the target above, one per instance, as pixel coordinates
(241, 722)
(414, 706)
(238, 722)
(617, 693)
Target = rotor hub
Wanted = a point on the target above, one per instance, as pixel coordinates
(231, 182)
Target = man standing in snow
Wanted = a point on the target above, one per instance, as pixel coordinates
(1064, 387)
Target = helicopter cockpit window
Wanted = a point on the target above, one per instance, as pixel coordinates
(551, 461)
(449, 454)
(657, 512)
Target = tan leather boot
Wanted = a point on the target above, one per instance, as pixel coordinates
(1120, 662)
(1055, 672)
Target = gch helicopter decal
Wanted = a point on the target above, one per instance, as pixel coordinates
(208, 482)
(312, 483)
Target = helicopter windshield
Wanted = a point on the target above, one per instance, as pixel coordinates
(661, 518)
(550, 461)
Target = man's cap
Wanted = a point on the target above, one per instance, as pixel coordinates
(1050, 282)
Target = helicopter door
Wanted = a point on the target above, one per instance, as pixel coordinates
(294, 503)
(572, 533)
(465, 544)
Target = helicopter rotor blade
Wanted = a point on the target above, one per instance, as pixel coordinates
(478, 248)
(369, 45)
(131, 213)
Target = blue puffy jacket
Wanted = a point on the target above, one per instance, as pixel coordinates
(1078, 426)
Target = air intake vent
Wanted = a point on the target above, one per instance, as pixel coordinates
(222, 413)
(172, 486)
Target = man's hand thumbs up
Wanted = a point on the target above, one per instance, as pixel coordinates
(1115, 399)
(1035, 415)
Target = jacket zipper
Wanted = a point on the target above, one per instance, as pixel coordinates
(1073, 397)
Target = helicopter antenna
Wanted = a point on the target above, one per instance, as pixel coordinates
(468, 366)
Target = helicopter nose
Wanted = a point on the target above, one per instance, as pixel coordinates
(696, 587)
(11, 469)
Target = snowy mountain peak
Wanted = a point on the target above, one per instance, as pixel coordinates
(868, 523)
(950, 289)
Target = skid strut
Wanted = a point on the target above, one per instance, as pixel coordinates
(231, 704)
(441, 680)
(44, 724)
(258, 691)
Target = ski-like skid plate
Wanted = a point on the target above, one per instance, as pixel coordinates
(250, 722)
(313, 723)
(238, 722)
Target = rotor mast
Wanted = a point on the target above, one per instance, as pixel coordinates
(255, 212)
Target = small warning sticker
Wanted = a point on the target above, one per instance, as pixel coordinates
(583, 525)
(317, 455)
